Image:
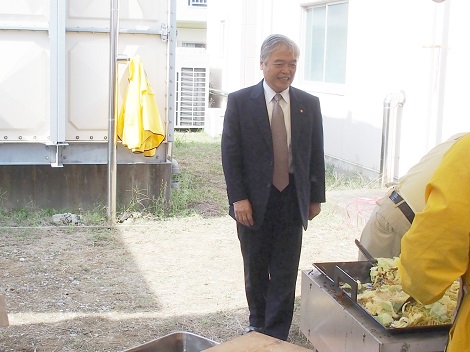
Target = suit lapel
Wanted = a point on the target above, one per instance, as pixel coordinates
(296, 116)
(260, 115)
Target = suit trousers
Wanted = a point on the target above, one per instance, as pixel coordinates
(271, 258)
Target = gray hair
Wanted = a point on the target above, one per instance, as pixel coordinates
(274, 41)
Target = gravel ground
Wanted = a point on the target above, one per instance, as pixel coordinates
(100, 289)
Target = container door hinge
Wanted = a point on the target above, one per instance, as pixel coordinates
(164, 35)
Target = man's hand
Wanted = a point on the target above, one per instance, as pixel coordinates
(243, 212)
(313, 210)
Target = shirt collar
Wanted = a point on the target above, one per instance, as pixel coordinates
(270, 93)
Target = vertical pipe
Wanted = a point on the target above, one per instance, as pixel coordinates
(171, 94)
(385, 140)
(390, 135)
(172, 72)
(440, 67)
(394, 175)
(112, 111)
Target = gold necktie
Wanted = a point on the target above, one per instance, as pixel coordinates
(281, 153)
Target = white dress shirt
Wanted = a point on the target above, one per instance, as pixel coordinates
(285, 106)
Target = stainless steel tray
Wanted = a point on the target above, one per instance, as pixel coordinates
(176, 342)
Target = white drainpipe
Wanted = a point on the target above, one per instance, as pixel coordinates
(390, 134)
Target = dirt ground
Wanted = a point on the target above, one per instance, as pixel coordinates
(90, 288)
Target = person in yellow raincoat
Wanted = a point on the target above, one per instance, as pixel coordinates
(139, 125)
(435, 250)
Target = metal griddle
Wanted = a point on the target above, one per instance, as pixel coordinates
(333, 323)
(340, 273)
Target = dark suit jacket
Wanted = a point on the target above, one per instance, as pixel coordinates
(247, 150)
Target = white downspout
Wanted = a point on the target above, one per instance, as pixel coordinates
(440, 49)
(390, 134)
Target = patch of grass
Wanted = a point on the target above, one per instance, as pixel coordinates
(102, 237)
(31, 216)
(339, 180)
(201, 184)
(97, 216)
(34, 216)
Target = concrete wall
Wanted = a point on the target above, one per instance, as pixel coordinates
(80, 186)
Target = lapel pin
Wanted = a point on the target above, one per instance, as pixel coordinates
(301, 111)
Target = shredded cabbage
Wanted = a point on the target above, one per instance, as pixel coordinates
(383, 298)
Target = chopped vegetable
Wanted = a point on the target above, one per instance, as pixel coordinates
(384, 297)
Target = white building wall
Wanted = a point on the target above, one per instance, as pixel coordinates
(417, 47)
(196, 14)
(192, 35)
(457, 70)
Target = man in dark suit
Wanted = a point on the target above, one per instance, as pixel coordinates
(270, 219)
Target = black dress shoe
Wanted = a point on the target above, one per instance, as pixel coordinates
(252, 328)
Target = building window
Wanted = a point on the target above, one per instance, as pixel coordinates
(197, 3)
(193, 45)
(326, 43)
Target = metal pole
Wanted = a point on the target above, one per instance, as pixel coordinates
(385, 135)
(112, 139)
(172, 73)
(398, 118)
(171, 96)
(388, 131)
